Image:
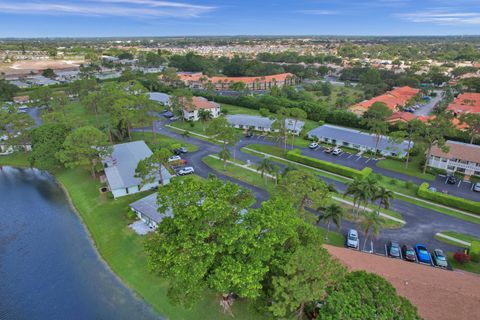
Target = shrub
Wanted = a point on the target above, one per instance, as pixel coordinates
(393, 182)
(448, 200)
(131, 215)
(436, 171)
(410, 185)
(461, 257)
(475, 251)
(295, 155)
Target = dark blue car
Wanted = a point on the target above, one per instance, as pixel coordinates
(422, 254)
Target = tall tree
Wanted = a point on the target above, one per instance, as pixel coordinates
(204, 116)
(434, 132)
(472, 120)
(331, 213)
(265, 167)
(84, 146)
(375, 119)
(304, 280)
(148, 168)
(304, 188)
(220, 129)
(361, 295)
(215, 240)
(383, 196)
(47, 140)
(371, 224)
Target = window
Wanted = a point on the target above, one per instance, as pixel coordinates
(461, 170)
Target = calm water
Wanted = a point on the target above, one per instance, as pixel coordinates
(48, 267)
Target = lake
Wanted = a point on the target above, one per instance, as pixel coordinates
(49, 268)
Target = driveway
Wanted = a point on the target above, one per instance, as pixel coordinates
(427, 108)
(421, 223)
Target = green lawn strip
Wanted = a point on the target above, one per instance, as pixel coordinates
(122, 249)
(232, 109)
(470, 266)
(399, 166)
(199, 136)
(441, 209)
(387, 183)
(17, 159)
(294, 164)
(254, 178)
(456, 235)
(191, 126)
(150, 140)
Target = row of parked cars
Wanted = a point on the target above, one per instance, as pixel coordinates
(333, 150)
(178, 164)
(417, 253)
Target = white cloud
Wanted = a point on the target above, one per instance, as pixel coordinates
(318, 12)
(133, 8)
(443, 17)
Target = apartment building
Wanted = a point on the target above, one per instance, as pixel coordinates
(461, 157)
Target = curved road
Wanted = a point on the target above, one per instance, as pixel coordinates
(421, 223)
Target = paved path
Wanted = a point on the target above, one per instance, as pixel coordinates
(421, 223)
(427, 108)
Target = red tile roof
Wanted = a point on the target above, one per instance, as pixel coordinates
(195, 77)
(468, 102)
(202, 103)
(396, 97)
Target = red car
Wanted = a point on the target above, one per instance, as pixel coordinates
(409, 253)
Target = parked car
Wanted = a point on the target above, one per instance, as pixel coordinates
(313, 145)
(352, 239)
(422, 254)
(452, 179)
(336, 151)
(174, 158)
(329, 150)
(249, 134)
(408, 253)
(167, 114)
(393, 249)
(439, 258)
(476, 187)
(185, 171)
(180, 151)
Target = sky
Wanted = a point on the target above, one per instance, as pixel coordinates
(105, 18)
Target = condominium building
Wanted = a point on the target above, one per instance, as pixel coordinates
(461, 157)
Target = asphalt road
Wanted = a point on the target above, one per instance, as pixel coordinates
(421, 223)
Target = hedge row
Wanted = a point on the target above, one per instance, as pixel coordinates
(448, 200)
(295, 155)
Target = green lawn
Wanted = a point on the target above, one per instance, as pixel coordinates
(151, 140)
(459, 236)
(399, 166)
(470, 266)
(17, 159)
(232, 109)
(107, 222)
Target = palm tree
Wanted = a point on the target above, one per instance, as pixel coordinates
(370, 225)
(384, 196)
(354, 189)
(265, 166)
(332, 213)
(204, 116)
(185, 134)
(224, 155)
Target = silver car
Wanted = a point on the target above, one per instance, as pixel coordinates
(476, 187)
(352, 239)
(439, 258)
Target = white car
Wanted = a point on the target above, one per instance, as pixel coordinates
(352, 239)
(313, 145)
(174, 158)
(336, 151)
(185, 171)
(476, 187)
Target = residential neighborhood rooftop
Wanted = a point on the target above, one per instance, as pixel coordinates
(148, 207)
(262, 122)
(468, 102)
(459, 150)
(120, 166)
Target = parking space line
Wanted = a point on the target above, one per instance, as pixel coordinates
(359, 157)
(368, 160)
(351, 155)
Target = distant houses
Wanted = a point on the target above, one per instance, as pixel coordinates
(264, 124)
(192, 109)
(120, 169)
(468, 102)
(461, 157)
(199, 80)
(394, 99)
(359, 140)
